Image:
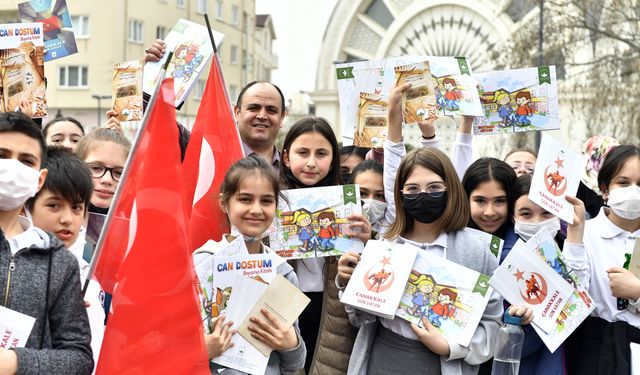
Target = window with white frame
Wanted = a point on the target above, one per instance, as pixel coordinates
(136, 31)
(161, 32)
(234, 55)
(235, 11)
(219, 9)
(202, 6)
(80, 26)
(199, 89)
(180, 3)
(73, 76)
(233, 93)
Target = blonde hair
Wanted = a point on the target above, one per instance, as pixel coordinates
(499, 95)
(299, 215)
(423, 280)
(88, 142)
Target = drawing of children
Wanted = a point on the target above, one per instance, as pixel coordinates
(505, 112)
(438, 92)
(451, 95)
(423, 295)
(444, 308)
(327, 231)
(302, 220)
(524, 110)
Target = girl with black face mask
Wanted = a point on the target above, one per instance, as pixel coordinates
(431, 212)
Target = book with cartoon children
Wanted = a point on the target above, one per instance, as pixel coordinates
(192, 50)
(22, 69)
(449, 296)
(518, 100)
(313, 222)
(579, 305)
(59, 39)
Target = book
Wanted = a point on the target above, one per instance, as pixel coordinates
(59, 39)
(312, 222)
(192, 50)
(378, 281)
(524, 278)
(126, 91)
(281, 298)
(557, 174)
(634, 260)
(372, 121)
(518, 100)
(22, 64)
(419, 101)
(450, 296)
(15, 328)
(243, 356)
(455, 87)
(578, 307)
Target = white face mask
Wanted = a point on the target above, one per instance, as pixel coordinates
(625, 202)
(18, 183)
(235, 232)
(528, 230)
(374, 210)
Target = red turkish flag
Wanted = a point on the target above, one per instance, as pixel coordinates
(213, 147)
(154, 325)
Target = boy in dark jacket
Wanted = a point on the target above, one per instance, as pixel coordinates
(38, 276)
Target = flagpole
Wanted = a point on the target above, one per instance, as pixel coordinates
(125, 172)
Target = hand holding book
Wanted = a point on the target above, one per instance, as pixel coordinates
(272, 332)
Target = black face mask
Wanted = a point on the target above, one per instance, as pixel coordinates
(98, 210)
(425, 208)
(345, 176)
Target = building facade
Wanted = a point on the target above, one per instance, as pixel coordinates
(108, 32)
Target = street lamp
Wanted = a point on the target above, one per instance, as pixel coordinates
(99, 98)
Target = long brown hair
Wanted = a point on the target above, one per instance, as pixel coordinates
(456, 213)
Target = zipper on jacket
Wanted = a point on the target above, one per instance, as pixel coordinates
(12, 267)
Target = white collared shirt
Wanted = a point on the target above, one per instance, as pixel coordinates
(437, 247)
(27, 238)
(605, 246)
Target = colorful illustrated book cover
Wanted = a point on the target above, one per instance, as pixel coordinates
(192, 50)
(455, 88)
(419, 101)
(450, 296)
(312, 222)
(22, 63)
(524, 278)
(59, 40)
(579, 305)
(372, 121)
(127, 90)
(518, 100)
(15, 328)
(243, 356)
(557, 174)
(379, 279)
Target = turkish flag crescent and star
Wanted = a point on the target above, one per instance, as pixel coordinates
(213, 147)
(154, 325)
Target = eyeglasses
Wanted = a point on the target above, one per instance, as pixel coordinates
(434, 189)
(99, 170)
(527, 166)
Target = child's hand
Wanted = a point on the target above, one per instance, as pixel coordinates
(359, 227)
(394, 133)
(575, 231)
(522, 311)
(220, 340)
(272, 332)
(113, 122)
(427, 127)
(433, 339)
(155, 51)
(623, 283)
(346, 264)
(8, 362)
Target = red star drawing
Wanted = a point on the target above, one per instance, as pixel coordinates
(386, 261)
(519, 275)
(559, 162)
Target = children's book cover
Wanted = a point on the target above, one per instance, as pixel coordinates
(127, 90)
(518, 100)
(557, 174)
(15, 328)
(313, 222)
(456, 89)
(59, 40)
(449, 296)
(419, 101)
(379, 279)
(372, 121)
(192, 50)
(524, 278)
(579, 305)
(22, 63)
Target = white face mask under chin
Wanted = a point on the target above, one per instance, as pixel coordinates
(374, 210)
(625, 202)
(528, 230)
(18, 183)
(235, 232)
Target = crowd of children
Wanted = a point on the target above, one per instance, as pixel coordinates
(453, 208)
